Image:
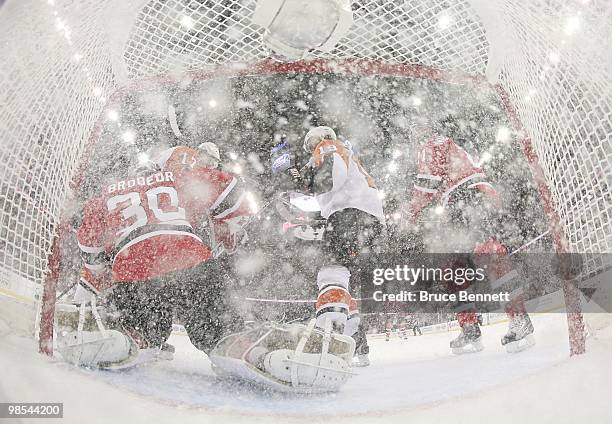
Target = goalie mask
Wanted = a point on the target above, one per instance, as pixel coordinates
(289, 358)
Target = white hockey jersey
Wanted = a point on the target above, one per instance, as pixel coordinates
(341, 182)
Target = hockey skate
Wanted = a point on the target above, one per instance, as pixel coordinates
(520, 334)
(361, 360)
(362, 349)
(469, 341)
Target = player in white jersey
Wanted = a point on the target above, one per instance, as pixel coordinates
(340, 182)
(352, 205)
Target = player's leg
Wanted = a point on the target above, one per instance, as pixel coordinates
(350, 235)
(362, 348)
(468, 217)
(333, 297)
(355, 328)
(520, 328)
(204, 306)
(333, 277)
(478, 212)
(470, 338)
(144, 311)
(369, 240)
(504, 277)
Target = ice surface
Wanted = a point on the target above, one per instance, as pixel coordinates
(415, 379)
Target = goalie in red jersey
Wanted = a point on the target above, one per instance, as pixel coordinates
(144, 235)
(225, 233)
(450, 180)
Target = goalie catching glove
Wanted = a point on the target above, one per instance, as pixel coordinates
(290, 358)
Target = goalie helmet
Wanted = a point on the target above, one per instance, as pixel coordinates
(290, 358)
(316, 135)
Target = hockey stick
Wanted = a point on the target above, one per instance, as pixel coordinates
(529, 243)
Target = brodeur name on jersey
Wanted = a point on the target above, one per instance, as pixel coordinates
(443, 167)
(142, 227)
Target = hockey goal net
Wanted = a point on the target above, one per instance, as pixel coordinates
(62, 60)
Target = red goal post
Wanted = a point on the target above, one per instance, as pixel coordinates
(361, 67)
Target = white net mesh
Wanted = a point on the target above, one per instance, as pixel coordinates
(52, 66)
(555, 71)
(163, 40)
(61, 59)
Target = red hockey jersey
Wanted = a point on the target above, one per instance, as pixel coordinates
(223, 235)
(178, 159)
(443, 167)
(146, 226)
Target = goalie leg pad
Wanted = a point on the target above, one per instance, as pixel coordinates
(289, 358)
(92, 348)
(324, 371)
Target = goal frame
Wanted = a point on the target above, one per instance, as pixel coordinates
(350, 66)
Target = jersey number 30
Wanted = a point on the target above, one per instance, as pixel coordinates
(137, 212)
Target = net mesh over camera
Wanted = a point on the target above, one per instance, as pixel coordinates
(62, 59)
